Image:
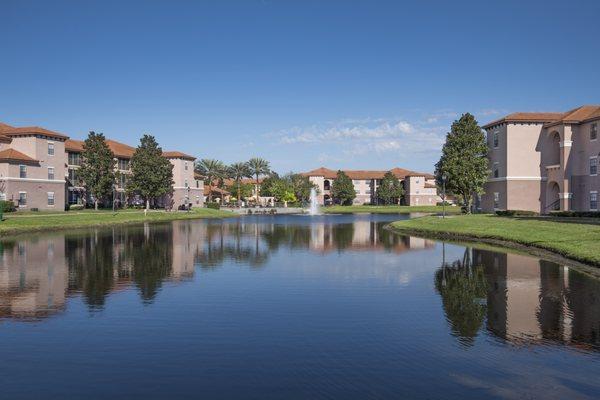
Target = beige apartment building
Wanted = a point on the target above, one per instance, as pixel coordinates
(419, 188)
(38, 170)
(32, 167)
(543, 161)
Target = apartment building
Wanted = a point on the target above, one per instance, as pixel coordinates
(419, 188)
(32, 167)
(38, 170)
(543, 161)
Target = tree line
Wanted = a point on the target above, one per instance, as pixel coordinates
(151, 174)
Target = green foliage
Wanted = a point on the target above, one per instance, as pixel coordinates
(238, 171)
(210, 170)
(464, 162)
(7, 206)
(301, 186)
(266, 187)
(342, 189)
(75, 207)
(516, 213)
(390, 189)
(152, 174)
(213, 205)
(258, 167)
(243, 190)
(97, 170)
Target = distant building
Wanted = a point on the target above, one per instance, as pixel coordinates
(543, 161)
(39, 170)
(419, 188)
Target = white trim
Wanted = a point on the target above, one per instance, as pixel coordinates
(517, 178)
(566, 143)
(565, 195)
(8, 178)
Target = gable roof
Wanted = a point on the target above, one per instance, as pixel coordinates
(178, 154)
(75, 146)
(400, 173)
(14, 155)
(578, 115)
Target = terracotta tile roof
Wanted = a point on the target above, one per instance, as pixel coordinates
(120, 150)
(542, 117)
(215, 190)
(33, 130)
(178, 154)
(575, 116)
(75, 146)
(5, 127)
(14, 155)
(400, 173)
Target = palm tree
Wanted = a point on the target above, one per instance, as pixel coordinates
(210, 169)
(238, 171)
(258, 166)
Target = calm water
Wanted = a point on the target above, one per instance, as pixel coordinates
(328, 307)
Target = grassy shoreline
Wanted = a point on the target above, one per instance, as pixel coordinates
(388, 209)
(34, 222)
(574, 240)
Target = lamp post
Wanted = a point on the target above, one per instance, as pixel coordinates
(187, 199)
(444, 178)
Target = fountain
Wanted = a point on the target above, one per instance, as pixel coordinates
(314, 206)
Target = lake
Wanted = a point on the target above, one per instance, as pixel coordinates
(289, 307)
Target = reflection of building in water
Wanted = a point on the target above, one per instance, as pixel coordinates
(530, 299)
(33, 278)
(361, 235)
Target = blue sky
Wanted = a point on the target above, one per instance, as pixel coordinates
(344, 84)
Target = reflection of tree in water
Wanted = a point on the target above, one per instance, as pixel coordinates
(238, 242)
(90, 262)
(290, 236)
(343, 234)
(100, 261)
(462, 287)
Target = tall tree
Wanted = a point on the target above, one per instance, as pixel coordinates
(301, 186)
(238, 171)
(210, 170)
(151, 173)
(258, 166)
(97, 169)
(390, 189)
(342, 189)
(464, 163)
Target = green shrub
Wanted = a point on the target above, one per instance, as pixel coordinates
(516, 213)
(214, 205)
(7, 206)
(74, 207)
(576, 214)
(441, 203)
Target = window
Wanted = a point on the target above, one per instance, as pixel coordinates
(495, 139)
(50, 148)
(50, 198)
(185, 165)
(22, 171)
(51, 173)
(594, 201)
(593, 166)
(74, 159)
(185, 183)
(73, 178)
(496, 170)
(22, 199)
(368, 182)
(496, 200)
(197, 184)
(122, 181)
(594, 131)
(123, 164)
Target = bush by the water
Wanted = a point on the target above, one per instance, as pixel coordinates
(576, 214)
(516, 213)
(7, 206)
(214, 205)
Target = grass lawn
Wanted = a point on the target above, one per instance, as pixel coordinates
(388, 209)
(574, 239)
(33, 221)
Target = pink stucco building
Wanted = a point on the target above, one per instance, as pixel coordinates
(544, 161)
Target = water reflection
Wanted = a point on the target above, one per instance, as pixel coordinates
(519, 299)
